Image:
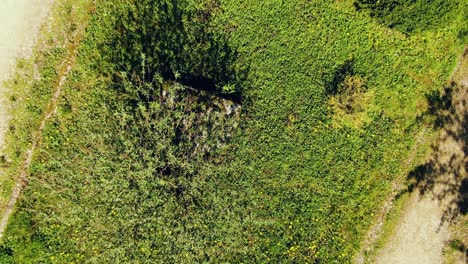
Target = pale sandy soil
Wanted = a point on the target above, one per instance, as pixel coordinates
(423, 230)
(19, 23)
(63, 72)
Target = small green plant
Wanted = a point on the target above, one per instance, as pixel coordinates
(457, 244)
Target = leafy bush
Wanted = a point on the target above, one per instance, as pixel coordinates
(173, 39)
(410, 15)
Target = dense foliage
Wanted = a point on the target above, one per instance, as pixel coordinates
(411, 15)
(120, 176)
(172, 39)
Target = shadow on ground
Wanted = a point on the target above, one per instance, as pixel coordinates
(447, 166)
(444, 175)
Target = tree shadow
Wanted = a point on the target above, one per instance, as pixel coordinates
(408, 16)
(463, 190)
(170, 39)
(440, 105)
(334, 81)
(458, 245)
(444, 175)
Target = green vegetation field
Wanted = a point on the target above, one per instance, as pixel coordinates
(333, 94)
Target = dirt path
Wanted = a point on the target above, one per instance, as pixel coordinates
(19, 26)
(376, 229)
(423, 231)
(19, 23)
(63, 71)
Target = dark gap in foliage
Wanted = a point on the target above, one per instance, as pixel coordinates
(208, 85)
(333, 83)
(463, 35)
(458, 245)
(177, 135)
(463, 190)
(5, 250)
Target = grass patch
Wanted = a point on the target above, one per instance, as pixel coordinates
(421, 152)
(411, 16)
(117, 178)
(455, 250)
(31, 87)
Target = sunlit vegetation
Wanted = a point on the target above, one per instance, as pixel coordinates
(151, 159)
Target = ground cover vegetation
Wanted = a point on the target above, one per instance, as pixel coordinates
(30, 87)
(411, 15)
(149, 159)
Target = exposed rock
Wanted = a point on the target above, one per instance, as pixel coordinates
(202, 122)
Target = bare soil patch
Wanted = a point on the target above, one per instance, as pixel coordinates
(19, 25)
(438, 195)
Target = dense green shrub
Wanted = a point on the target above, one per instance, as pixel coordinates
(173, 39)
(411, 15)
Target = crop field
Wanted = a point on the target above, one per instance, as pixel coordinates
(145, 160)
